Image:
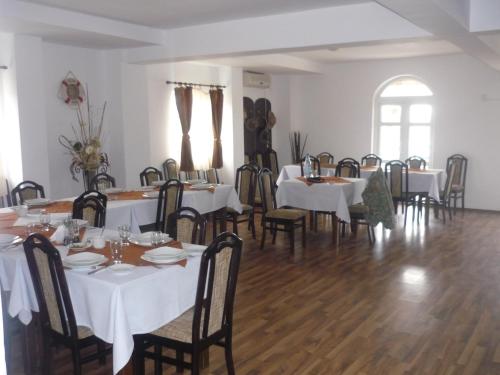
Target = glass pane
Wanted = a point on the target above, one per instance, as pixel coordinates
(389, 143)
(406, 87)
(419, 142)
(390, 113)
(420, 113)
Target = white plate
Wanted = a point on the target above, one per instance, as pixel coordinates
(114, 190)
(193, 249)
(151, 194)
(121, 268)
(37, 202)
(7, 239)
(163, 260)
(84, 259)
(158, 182)
(165, 252)
(79, 246)
(144, 239)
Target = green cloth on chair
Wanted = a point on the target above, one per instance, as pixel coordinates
(378, 197)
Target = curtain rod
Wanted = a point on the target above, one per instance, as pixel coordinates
(194, 84)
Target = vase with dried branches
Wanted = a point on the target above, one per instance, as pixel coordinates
(85, 148)
(297, 147)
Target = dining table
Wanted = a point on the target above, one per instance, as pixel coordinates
(114, 305)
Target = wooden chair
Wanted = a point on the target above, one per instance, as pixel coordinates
(416, 162)
(26, 190)
(245, 185)
(212, 176)
(102, 181)
(57, 318)
(315, 165)
(188, 225)
(273, 217)
(459, 177)
(209, 322)
(445, 196)
(170, 169)
(273, 164)
(91, 206)
(325, 158)
(169, 201)
(150, 174)
(371, 160)
(347, 167)
(396, 172)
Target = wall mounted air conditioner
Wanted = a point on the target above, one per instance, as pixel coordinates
(255, 79)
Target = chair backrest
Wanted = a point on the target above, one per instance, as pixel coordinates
(259, 159)
(273, 164)
(416, 162)
(169, 201)
(170, 169)
(51, 288)
(266, 188)
(379, 200)
(102, 181)
(187, 225)
(246, 183)
(451, 172)
(460, 171)
(190, 175)
(91, 206)
(246, 159)
(397, 174)
(371, 160)
(315, 165)
(213, 309)
(347, 167)
(325, 158)
(212, 176)
(150, 174)
(26, 190)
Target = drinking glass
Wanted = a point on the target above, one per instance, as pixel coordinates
(45, 220)
(30, 229)
(124, 231)
(116, 250)
(75, 231)
(156, 238)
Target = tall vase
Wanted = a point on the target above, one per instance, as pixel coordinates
(88, 175)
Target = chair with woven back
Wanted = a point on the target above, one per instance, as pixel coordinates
(26, 190)
(347, 167)
(187, 225)
(325, 158)
(150, 174)
(416, 162)
(209, 322)
(212, 176)
(169, 201)
(91, 206)
(102, 181)
(170, 169)
(396, 172)
(315, 165)
(278, 219)
(56, 315)
(458, 179)
(371, 160)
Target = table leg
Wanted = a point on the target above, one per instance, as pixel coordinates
(427, 209)
(335, 229)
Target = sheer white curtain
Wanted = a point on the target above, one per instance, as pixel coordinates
(201, 133)
(3, 139)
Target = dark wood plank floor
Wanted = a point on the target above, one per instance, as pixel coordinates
(422, 300)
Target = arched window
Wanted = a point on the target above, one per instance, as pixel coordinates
(403, 117)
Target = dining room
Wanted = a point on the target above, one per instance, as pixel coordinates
(266, 189)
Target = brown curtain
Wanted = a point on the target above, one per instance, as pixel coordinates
(217, 100)
(184, 101)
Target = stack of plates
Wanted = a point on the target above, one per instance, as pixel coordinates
(37, 202)
(164, 255)
(151, 194)
(158, 183)
(144, 239)
(9, 239)
(84, 260)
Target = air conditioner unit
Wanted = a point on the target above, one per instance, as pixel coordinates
(255, 79)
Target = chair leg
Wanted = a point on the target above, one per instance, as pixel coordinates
(179, 357)
(138, 357)
(454, 204)
(195, 363)
(228, 351)
(100, 350)
(291, 233)
(263, 238)
(304, 232)
(46, 360)
(158, 363)
(77, 366)
(251, 222)
(274, 230)
(235, 224)
(406, 210)
(463, 201)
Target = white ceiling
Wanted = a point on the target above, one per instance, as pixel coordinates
(178, 13)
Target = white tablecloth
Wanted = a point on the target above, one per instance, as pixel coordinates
(114, 306)
(321, 197)
(430, 181)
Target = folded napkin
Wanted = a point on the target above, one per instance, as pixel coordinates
(58, 235)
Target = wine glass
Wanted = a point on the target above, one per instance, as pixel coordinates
(124, 231)
(45, 220)
(156, 238)
(116, 250)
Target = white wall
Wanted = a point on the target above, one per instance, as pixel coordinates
(335, 109)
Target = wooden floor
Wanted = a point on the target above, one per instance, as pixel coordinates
(422, 300)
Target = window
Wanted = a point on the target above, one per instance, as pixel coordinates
(403, 120)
